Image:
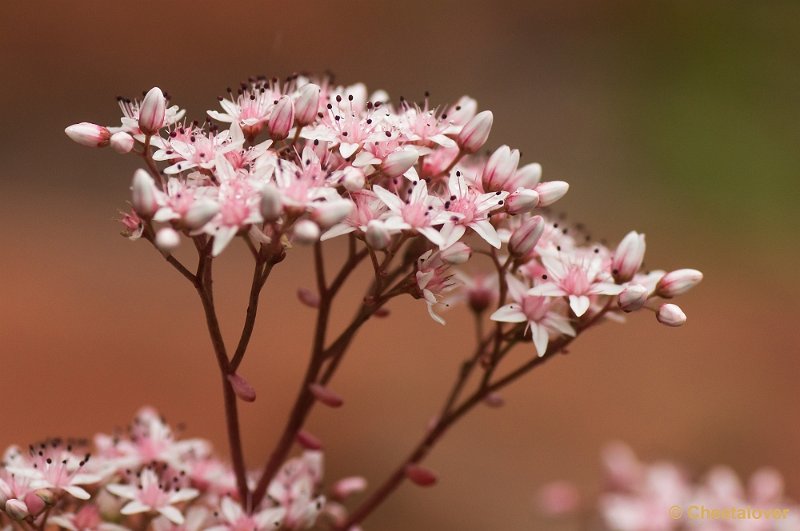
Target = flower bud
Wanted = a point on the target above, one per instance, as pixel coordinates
(456, 254)
(271, 203)
(121, 142)
(242, 388)
(152, 112)
(473, 135)
(89, 134)
(325, 395)
(526, 236)
(678, 282)
(628, 256)
(500, 169)
(346, 487)
(353, 179)
(16, 509)
(143, 194)
(308, 297)
(34, 503)
(167, 240)
(420, 475)
(528, 176)
(308, 441)
(281, 119)
(307, 103)
(671, 315)
(377, 236)
(559, 498)
(399, 162)
(521, 201)
(551, 191)
(632, 298)
(305, 232)
(330, 213)
(494, 400)
(201, 212)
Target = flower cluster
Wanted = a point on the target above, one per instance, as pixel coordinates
(302, 161)
(662, 496)
(144, 476)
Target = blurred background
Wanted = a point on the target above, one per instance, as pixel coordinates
(678, 119)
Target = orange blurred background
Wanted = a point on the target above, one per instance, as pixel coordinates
(679, 119)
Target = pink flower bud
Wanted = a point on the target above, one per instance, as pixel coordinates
(281, 119)
(671, 315)
(143, 194)
(89, 134)
(528, 176)
(167, 240)
(678, 282)
(329, 213)
(242, 387)
(473, 135)
(201, 212)
(121, 142)
(456, 254)
(34, 503)
(346, 487)
(325, 395)
(521, 201)
(152, 111)
(305, 232)
(494, 400)
(551, 191)
(399, 162)
(47, 496)
(353, 179)
(558, 498)
(500, 169)
(16, 509)
(526, 236)
(271, 203)
(633, 298)
(307, 104)
(377, 236)
(420, 475)
(308, 297)
(308, 441)
(766, 486)
(628, 256)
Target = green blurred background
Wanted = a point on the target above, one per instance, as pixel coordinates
(679, 119)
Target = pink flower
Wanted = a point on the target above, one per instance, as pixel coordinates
(540, 314)
(469, 209)
(53, 465)
(418, 213)
(234, 518)
(87, 518)
(294, 490)
(434, 281)
(250, 107)
(577, 278)
(153, 494)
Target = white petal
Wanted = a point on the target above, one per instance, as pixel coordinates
(579, 304)
(606, 288)
(337, 230)
(172, 514)
(123, 491)
(486, 231)
(391, 200)
(77, 492)
(559, 323)
(510, 313)
(547, 289)
(134, 507)
(540, 338)
(222, 238)
(347, 149)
